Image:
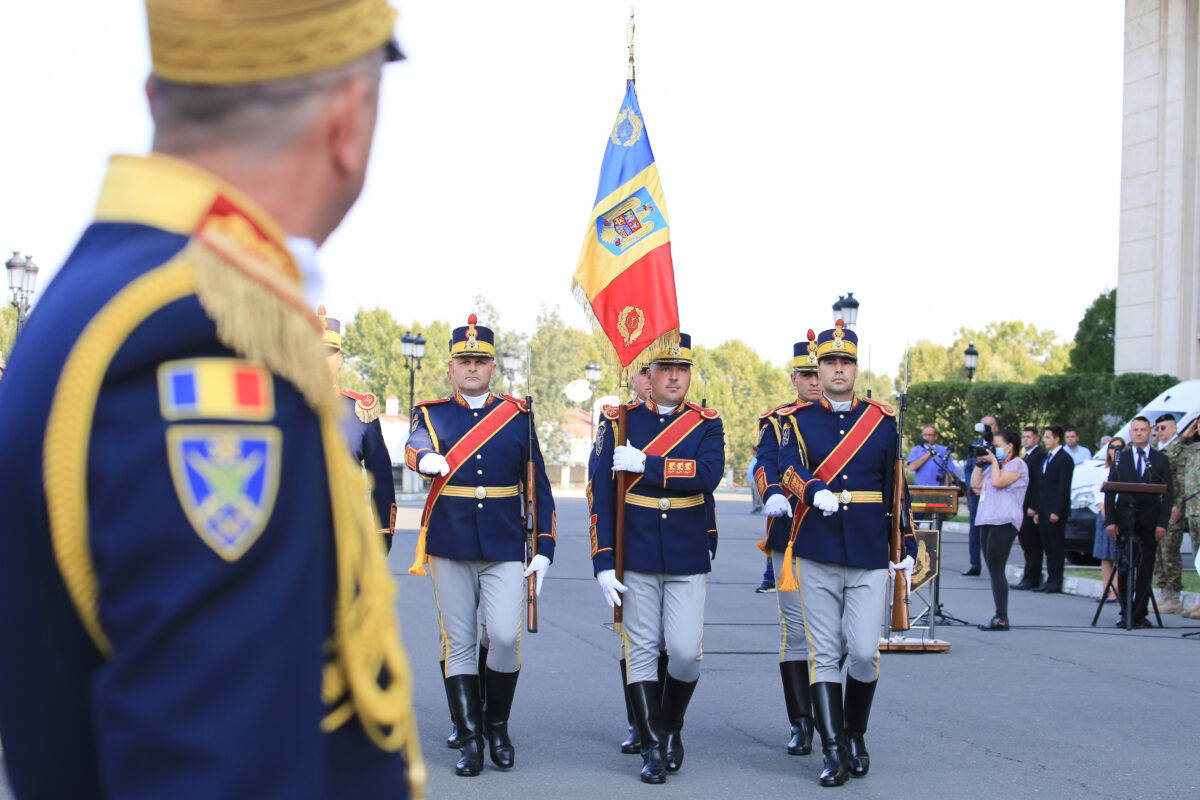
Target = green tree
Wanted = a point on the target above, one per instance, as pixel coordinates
(8, 329)
(1008, 351)
(1094, 348)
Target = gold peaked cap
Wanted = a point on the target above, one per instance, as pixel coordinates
(226, 42)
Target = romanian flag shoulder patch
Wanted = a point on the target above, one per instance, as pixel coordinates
(215, 388)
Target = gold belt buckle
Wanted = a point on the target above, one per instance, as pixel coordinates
(664, 503)
(480, 492)
(845, 497)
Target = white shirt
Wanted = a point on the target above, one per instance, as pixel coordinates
(666, 410)
(476, 402)
(839, 407)
(1050, 455)
(1079, 453)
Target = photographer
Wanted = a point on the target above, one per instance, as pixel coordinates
(1000, 479)
(1142, 516)
(986, 427)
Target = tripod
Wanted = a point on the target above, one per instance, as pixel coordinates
(943, 617)
(1131, 547)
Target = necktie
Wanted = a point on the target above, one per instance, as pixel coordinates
(1141, 464)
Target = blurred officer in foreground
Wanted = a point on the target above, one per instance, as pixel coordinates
(836, 458)
(194, 602)
(476, 445)
(363, 433)
(676, 454)
(779, 546)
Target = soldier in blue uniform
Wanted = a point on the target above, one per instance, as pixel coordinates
(476, 446)
(836, 459)
(193, 598)
(793, 648)
(675, 458)
(364, 434)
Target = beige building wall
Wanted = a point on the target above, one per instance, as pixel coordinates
(1158, 283)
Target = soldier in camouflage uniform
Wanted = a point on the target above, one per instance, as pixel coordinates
(1168, 566)
(1184, 454)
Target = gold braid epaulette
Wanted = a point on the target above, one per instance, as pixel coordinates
(261, 314)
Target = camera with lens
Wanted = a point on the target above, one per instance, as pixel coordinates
(981, 447)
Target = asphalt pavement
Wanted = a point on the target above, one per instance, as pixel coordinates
(1052, 708)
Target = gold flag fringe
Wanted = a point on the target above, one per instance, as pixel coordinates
(260, 314)
(651, 348)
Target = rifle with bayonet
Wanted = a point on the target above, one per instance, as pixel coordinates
(530, 510)
(899, 584)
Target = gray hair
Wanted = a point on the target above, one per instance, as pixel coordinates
(259, 117)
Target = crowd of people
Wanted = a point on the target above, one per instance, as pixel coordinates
(1019, 488)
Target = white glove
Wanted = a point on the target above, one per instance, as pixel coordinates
(826, 501)
(611, 587)
(433, 464)
(538, 564)
(628, 459)
(777, 506)
(905, 566)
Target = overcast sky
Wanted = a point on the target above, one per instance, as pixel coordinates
(951, 163)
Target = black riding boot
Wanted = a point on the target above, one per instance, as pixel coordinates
(499, 690)
(662, 668)
(452, 739)
(798, 699)
(858, 708)
(463, 691)
(676, 696)
(643, 696)
(827, 714)
(632, 743)
(482, 667)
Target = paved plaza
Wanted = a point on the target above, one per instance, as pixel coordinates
(1051, 709)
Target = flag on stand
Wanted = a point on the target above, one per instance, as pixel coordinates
(624, 279)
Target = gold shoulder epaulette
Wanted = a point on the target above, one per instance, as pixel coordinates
(424, 403)
(777, 409)
(707, 413)
(610, 412)
(884, 407)
(787, 411)
(520, 403)
(366, 405)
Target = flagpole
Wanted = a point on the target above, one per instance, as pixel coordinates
(630, 74)
(619, 533)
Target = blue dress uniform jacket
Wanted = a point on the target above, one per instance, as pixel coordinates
(198, 673)
(671, 541)
(470, 528)
(858, 534)
(368, 448)
(766, 476)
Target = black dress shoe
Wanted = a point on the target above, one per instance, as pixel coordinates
(1024, 586)
(1143, 622)
(1120, 622)
(973, 571)
(995, 624)
(1052, 588)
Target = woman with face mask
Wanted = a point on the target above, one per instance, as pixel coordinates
(1000, 480)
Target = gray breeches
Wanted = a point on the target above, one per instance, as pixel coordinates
(842, 604)
(471, 592)
(660, 607)
(792, 644)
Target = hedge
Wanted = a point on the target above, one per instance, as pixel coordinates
(1094, 404)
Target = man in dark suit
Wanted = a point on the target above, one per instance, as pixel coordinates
(1028, 536)
(1142, 516)
(1054, 505)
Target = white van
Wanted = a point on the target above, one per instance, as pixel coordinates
(1181, 401)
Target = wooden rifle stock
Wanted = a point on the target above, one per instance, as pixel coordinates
(531, 620)
(899, 584)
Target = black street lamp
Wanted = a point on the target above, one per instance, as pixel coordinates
(846, 309)
(510, 362)
(22, 281)
(971, 360)
(413, 350)
(592, 372)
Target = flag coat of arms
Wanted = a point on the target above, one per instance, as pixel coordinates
(625, 280)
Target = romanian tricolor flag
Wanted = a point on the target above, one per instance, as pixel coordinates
(217, 388)
(625, 279)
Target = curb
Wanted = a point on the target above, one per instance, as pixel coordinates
(1090, 587)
